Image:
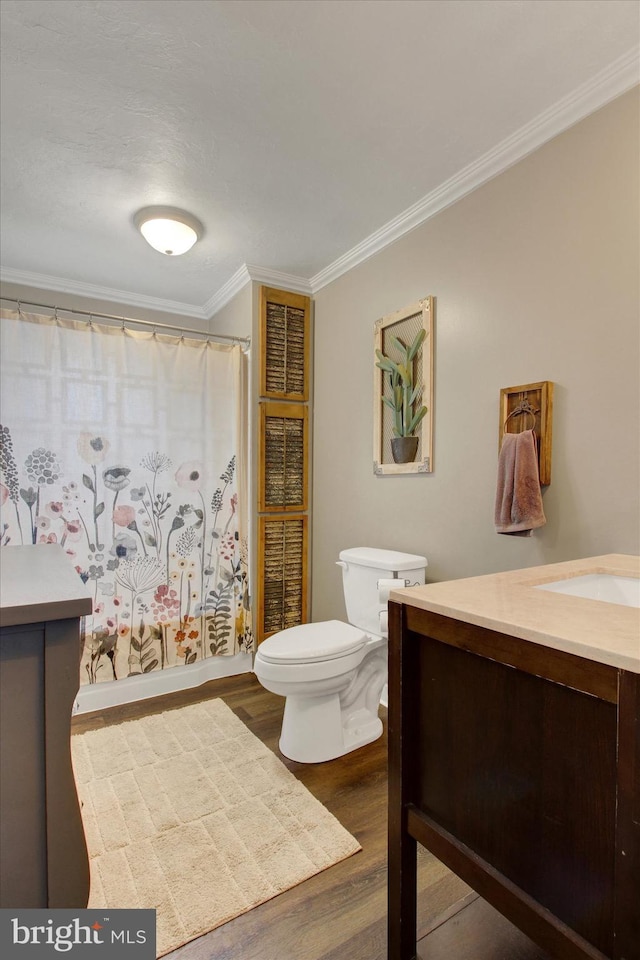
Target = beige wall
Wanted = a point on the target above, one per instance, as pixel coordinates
(535, 276)
(236, 317)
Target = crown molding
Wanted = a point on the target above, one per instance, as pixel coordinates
(79, 289)
(244, 275)
(616, 79)
(227, 292)
(274, 278)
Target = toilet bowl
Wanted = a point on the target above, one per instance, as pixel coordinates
(332, 673)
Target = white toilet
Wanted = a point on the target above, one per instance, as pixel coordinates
(333, 673)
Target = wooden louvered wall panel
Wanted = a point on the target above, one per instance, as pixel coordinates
(283, 457)
(285, 345)
(283, 573)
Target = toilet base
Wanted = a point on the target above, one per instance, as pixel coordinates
(314, 729)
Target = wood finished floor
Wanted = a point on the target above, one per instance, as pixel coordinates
(340, 914)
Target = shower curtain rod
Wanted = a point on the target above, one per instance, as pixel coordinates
(93, 315)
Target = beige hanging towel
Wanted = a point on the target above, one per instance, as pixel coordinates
(518, 495)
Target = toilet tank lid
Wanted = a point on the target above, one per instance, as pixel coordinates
(383, 559)
(309, 642)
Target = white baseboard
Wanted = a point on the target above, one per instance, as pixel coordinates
(99, 696)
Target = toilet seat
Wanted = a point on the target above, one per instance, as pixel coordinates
(312, 643)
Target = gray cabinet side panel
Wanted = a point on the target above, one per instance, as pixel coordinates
(23, 853)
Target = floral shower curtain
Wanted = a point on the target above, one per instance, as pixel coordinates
(128, 449)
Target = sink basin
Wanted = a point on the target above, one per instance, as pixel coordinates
(598, 586)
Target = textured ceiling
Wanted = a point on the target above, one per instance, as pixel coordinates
(294, 129)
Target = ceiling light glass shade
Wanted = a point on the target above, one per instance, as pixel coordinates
(168, 230)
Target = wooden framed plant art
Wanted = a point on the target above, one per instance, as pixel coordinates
(403, 390)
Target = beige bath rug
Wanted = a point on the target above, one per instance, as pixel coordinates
(188, 812)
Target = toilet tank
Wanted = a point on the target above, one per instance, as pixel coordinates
(362, 567)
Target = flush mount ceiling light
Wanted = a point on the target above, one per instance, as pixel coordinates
(168, 230)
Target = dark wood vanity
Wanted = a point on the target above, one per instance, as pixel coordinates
(517, 764)
(43, 855)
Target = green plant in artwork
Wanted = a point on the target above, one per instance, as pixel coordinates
(405, 399)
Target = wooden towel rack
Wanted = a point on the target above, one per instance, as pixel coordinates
(529, 406)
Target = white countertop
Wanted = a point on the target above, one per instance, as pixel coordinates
(40, 583)
(506, 602)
